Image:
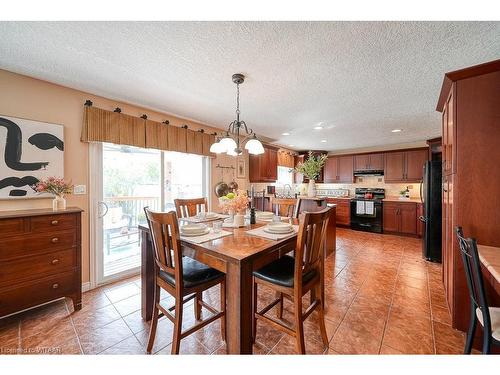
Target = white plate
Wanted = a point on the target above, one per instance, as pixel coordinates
(264, 214)
(195, 234)
(266, 229)
(280, 226)
(211, 215)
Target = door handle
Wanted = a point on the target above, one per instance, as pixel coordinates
(100, 215)
(422, 219)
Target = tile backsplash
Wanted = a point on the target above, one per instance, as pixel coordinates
(365, 181)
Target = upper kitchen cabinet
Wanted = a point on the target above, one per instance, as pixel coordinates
(339, 169)
(405, 166)
(367, 162)
(264, 167)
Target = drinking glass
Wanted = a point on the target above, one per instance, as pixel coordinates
(217, 226)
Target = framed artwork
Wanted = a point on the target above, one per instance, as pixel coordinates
(240, 169)
(31, 150)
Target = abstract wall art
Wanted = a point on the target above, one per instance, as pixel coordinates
(31, 150)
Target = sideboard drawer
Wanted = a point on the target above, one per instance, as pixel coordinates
(24, 295)
(27, 245)
(10, 227)
(37, 266)
(52, 222)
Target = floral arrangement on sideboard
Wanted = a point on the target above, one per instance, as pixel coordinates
(58, 187)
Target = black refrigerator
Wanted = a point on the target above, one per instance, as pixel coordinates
(430, 195)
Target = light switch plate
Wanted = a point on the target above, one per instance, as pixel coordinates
(79, 189)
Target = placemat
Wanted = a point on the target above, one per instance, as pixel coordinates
(259, 232)
(206, 237)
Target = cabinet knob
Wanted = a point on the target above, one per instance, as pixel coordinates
(54, 222)
(55, 261)
(55, 286)
(55, 240)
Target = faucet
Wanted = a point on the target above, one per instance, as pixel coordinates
(289, 189)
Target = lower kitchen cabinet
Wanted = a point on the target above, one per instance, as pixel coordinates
(400, 217)
(343, 210)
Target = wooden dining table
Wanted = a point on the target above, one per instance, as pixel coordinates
(237, 255)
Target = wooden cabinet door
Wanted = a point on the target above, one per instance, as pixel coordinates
(420, 224)
(377, 162)
(272, 165)
(391, 217)
(254, 168)
(345, 169)
(444, 129)
(298, 177)
(330, 170)
(450, 128)
(394, 167)
(408, 217)
(415, 161)
(361, 162)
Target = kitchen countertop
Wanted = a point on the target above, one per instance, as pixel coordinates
(490, 257)
(396, 199)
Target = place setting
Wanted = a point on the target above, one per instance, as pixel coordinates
(199, 232)
(203, 217)
(275, 231)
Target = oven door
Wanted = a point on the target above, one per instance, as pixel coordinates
(367, 222)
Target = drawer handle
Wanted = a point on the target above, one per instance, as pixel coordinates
(55, 239)
(55, 261)
(54, 222)
(55, 286)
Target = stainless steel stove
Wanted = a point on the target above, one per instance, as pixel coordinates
(366, 210)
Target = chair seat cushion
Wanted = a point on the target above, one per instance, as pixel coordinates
(495, 321)
(281, 272)
(194, 273)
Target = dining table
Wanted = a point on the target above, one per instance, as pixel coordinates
(237, 255)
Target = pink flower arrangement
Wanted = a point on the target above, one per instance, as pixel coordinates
(235, 202)
(53, 185)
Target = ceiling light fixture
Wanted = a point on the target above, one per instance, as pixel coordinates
(291, 145)
(323, 141)
(286, 133)
(319, 127)
(230, 142)
(396, 130)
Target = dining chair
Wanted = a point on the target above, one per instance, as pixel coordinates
(289, 207)
(182, 277)
(259, 197)
(294, 277)
(488, 317)
(190, 207)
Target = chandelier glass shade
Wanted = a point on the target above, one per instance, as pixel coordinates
(231, 142)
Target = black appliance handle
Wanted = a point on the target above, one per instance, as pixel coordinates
(422, 219)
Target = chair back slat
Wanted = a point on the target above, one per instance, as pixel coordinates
(310, 241)
(167, 248)
(190, 207)
(473, 275)
(285, 206)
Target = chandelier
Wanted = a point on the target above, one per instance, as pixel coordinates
(230, 142)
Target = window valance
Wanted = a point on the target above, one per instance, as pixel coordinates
(100, 125)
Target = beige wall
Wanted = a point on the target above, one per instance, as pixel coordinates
(29, 98)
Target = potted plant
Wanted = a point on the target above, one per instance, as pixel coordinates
(57, 187)
(311, 168)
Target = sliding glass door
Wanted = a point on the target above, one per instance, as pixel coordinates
(129, 179)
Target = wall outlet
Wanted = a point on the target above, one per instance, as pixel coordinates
(79, 189)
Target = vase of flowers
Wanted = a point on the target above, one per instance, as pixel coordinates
(58, 188)
(235, 204)
(311, 168)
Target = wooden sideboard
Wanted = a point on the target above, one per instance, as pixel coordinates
(40, 258)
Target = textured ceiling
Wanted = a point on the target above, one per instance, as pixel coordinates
(359, 80)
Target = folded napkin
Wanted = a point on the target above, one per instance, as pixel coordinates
(259, 232)
(206, 237)
(360, 207)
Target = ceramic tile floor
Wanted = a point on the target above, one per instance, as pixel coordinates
(381, 298)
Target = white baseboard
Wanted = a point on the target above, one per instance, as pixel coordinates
(86, 286)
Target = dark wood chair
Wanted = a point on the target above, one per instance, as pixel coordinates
(289, 207)
(182, 277)
(488, 317)
(293, 277)
(259, 199)
(190, 207)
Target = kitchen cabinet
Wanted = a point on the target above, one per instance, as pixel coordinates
(470, 129)
(285, 159)
(420, 224)
(405, 166)
(343, 210)
(366, 162)
(339, 169)
(264, 167)
(400, 217)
